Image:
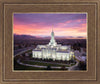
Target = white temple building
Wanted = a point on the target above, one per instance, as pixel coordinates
(53, 51)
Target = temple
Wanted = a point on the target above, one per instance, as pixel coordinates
(53, 51)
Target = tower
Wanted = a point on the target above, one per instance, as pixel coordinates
(52, 41)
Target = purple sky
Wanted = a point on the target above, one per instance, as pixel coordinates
(37, 24)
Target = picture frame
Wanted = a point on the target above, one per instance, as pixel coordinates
(8, 7)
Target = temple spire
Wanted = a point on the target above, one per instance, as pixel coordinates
(52, 41)
(52, 29)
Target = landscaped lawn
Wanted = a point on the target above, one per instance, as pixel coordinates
(22, 67)
(44, 64)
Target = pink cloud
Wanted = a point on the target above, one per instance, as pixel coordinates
(43, 30)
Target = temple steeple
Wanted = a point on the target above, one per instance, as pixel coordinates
(52, 29)
(52, 41)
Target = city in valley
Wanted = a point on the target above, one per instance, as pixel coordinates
(49, 53)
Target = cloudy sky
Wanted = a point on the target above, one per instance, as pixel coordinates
(40, 25)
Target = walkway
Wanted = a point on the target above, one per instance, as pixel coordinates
(72, 67)
(53, 67)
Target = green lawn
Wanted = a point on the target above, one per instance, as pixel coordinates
(44, 64)
(22, 67)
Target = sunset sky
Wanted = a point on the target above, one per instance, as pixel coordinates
(40, 25)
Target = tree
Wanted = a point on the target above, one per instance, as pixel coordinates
(48, 67)
(63, 67)
(82, 66)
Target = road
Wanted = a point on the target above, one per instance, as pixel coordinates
(20, 51)
(81, 58)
